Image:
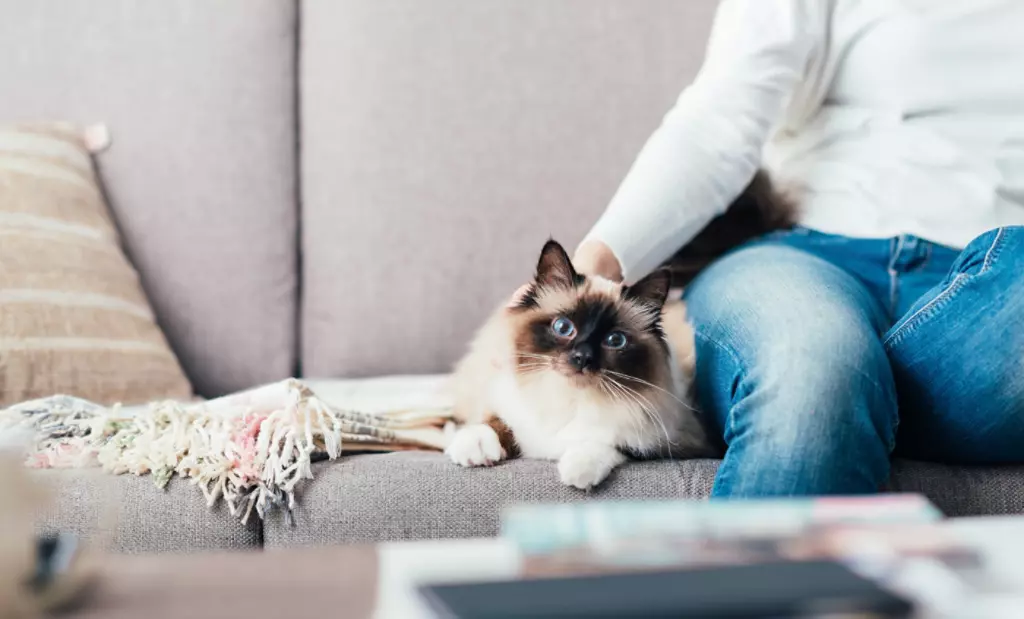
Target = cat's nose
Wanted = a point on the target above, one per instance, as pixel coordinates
(581, 357)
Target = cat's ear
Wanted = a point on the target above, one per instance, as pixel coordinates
(651, 290)
(554, 269)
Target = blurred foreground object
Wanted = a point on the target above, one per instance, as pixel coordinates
(36, 575)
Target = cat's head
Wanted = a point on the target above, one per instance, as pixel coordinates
(588, 329)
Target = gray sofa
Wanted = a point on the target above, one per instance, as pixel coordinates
(339, 188)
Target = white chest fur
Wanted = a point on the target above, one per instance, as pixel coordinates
(549, 415)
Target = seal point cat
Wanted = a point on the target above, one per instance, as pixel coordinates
(580, 370)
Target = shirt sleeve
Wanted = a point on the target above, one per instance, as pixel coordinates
(709, 145)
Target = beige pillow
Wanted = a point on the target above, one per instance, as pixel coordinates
(73, 316)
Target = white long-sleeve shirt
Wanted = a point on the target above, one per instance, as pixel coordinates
(886, 117)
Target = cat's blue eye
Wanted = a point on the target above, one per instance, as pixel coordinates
(616, 340)
(563, 327)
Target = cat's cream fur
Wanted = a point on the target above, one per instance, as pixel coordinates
(555, 416)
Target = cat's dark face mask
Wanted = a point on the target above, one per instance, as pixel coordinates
(587, 329)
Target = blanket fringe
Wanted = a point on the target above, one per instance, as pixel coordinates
(250, 450)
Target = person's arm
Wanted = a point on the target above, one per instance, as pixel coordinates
(709, 145)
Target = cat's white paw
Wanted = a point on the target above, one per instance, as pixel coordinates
(587, 466)
(475, 445)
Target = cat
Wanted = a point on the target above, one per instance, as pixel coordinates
(580, 370)
(584, 371)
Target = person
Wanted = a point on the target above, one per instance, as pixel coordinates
(898, 301)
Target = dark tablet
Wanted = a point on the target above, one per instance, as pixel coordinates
(791, 589)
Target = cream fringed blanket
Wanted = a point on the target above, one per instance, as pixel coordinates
(250, 449)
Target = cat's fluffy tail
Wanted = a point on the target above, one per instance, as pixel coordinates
(760, 209)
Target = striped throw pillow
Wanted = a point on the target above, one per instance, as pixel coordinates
(73, 317)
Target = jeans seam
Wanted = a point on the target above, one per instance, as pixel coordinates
(943, 298)
(993, 251)
(930, 309)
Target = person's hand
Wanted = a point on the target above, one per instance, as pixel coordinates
(595, 258)
(592, 258)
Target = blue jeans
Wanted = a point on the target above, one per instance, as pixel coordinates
(812, 349)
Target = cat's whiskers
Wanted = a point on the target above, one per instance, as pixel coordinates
(608, 388)
(527, 355)
(654, 414)
(636, 418)
(647, 407)
(528, 363)
(653, 386)
(624, 398)
(631, 402)
(529, 369)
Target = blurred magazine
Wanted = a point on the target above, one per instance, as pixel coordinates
(952, 569)
(616, 536)
(546, 528)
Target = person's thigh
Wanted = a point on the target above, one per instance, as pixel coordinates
(791, 371)
(958, 358)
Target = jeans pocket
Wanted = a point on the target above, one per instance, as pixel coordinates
(979, 255)
(973, 262)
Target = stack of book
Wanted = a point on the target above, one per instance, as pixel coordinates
(766, 558)
(869, 532)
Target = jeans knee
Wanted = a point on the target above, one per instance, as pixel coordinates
(823, 386)
(789, 351)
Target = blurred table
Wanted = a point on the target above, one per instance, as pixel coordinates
(341, 581)
(337, 582)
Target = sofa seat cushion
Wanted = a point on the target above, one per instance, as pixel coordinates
(128, 514)
(422, 495)
(963, 490)
(418, 495)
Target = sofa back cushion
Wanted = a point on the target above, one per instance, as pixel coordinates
(443, 142)
(200, 175)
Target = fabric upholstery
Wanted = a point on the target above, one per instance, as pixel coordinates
(417, 495)
(407, 496)
(435, 165)
(963, 490)
(73, 318)
(129, 514)
(199, 98)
